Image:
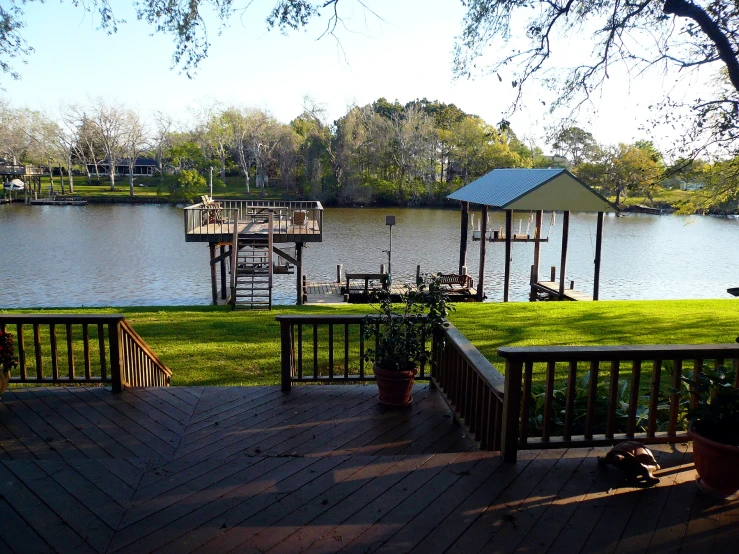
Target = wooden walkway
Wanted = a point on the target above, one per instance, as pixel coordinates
(318, 469)
(552, 288)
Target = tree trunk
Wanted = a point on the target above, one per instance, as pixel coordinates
(61, 177)
(111, 172)
(71, 178)
(130, 180)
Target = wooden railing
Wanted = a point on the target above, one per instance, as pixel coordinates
(200, 217)
(471, 386)
(325, 348)
(95, 349)
(600, 395)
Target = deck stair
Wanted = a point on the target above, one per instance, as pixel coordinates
(253, 278)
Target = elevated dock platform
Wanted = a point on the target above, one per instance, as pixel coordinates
(551, 288)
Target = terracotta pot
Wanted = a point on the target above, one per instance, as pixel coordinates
(716, 465)
(4, 380)
(395, 386)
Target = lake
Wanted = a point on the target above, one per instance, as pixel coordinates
(136, 255)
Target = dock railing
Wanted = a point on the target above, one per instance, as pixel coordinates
(82, 349)
(600, 395)
(290, 218)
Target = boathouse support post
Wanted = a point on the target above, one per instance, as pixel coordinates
(464, 225)
(563, 261)
(223, 271)
(483, 244)
(299, 271)
(537, 255)
(508, 237)
(598, 245)
(213, 279)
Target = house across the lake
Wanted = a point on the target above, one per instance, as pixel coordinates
(142, 166)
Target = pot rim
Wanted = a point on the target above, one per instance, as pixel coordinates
(728, 448)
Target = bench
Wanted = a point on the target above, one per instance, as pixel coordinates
(456, 282)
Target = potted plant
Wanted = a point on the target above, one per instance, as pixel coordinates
(401, 333)
(8, 359)
(714, 429)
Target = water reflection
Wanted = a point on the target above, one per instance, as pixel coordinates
(99, 255)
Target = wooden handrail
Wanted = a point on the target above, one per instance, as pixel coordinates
(642, 383)
(96, 349)
(318, 348)
(470, 385)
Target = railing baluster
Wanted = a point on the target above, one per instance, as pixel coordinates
(548, 399)
(677, 370)
(315, 351)
(86, 344)
(634, 398)
(54, 352)
(300, 351)
(361, 350)
(612, 400)
(592, 398)
(331, 351)
(697, 368)
(346, 351)
(101, 346)
(570, 400)
(37, 352)
(21, 351)
(523, 432)
(654, 398)
(70, 351)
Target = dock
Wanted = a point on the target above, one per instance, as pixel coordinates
(334, 293)
(551, 288)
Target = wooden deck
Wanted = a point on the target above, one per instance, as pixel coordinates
(552, 288)
(318, 469)
(284, 231)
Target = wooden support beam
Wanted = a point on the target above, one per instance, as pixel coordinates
(299, 271)
(223, 257)
(598, 246)
(285, 255)
(213, 278)
(464, 225)
(508, 234)
(563, 262)
(537, 244)
(483, 243)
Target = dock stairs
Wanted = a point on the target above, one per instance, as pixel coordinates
(252, 281)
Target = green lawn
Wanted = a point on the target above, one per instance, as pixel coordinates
(215, 346)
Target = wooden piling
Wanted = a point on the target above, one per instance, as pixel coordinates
(483, 244)
(508, 236)
(598, 245)
(223, 272)
(464, 225)
(213, 279)
(563, 261)
(299, 271)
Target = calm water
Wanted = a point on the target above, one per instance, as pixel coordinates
(136, 255)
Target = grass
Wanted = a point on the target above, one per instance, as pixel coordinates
(235, 188)
(215, 346)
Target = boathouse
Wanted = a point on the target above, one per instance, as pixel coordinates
(255, 240)
(530, 191)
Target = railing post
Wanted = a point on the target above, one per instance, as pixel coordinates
(511, 410)
(116, 367)
(286, 353)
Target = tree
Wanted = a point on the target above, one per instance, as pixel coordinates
(574, 143)
(108, 124)
(134, 143)
(680, 34)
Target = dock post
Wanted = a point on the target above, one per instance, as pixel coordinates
(418, 274)
(299, 271)
(464, 225)
(382, 268)
(563, 262)
(537, 245)
(339, 271)
(598, 244)
(223, 272)
(508, 236)
(483, 244)
(213, 279)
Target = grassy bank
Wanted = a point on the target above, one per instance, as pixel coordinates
(215, 346)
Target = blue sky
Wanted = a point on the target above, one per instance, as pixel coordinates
(406, 56)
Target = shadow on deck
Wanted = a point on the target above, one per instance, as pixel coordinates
(318, 469)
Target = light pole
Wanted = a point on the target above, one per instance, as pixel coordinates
(390, 221)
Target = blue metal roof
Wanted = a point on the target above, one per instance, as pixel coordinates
(502, 186)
